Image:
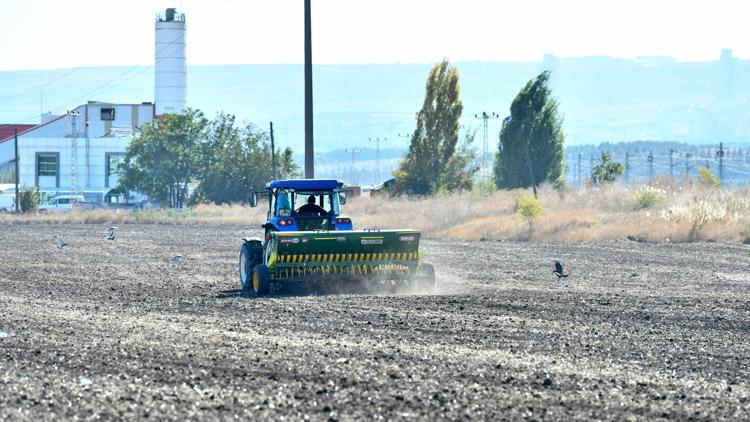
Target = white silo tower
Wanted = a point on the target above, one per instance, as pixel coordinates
(170, 77)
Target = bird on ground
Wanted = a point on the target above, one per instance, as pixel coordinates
(111, 233)
(61, 245)
(559, 270)
(175, 258)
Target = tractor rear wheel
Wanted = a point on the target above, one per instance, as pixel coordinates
(251, 254)
(261, 280)
(245, 268)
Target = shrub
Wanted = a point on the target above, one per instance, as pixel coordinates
(648, 196)
(486, 186)
(607, 170)
(29, 198)
(707, 178)
(528, 208)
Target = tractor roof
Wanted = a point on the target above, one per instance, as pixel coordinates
(306, 184)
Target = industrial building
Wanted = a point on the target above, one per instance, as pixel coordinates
(81, 151)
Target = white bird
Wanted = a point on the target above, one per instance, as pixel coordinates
(111, 233)
(61, 245)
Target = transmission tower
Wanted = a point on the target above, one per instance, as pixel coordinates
(352, 179)
(74, 151)
(377, 158)
(485, 144)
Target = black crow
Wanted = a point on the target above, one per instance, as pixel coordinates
(559, 270)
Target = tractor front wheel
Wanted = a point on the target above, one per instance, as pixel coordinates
(261, 280)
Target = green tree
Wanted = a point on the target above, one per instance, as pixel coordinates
(607, 170)
(164, 157)
(530, 151)
(287, 168)
(237, 162)
(435, 161)
(460, 169)
(28, 199)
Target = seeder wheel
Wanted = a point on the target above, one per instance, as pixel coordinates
(426, 276)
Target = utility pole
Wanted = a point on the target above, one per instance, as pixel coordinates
(377, 158)
(408, 138)
(354, 151)
(309, 146)
(627, 167)
(485, 175)
(687, 166)
(18, 174)
(88, 150)
(650, 159)
(671, 163)
(273, 154)
(74, 151)
(720, 154)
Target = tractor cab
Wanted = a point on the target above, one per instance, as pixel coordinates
(304, 205)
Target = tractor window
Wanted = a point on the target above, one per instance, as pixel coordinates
(283, 202)
(331, 203)
(325, 202)
(328, 200)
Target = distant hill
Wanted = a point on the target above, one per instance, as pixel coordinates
(602, 99)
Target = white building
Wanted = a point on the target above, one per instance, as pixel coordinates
(101, 132)
(82, 150)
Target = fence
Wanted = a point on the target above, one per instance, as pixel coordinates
(731, 164)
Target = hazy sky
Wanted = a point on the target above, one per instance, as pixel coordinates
(54, 34)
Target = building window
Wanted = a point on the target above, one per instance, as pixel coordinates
(114, 165)
(108, 114)
(47, 165)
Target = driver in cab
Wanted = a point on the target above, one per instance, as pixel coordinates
(311, 209)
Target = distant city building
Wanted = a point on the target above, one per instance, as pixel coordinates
(96, 134)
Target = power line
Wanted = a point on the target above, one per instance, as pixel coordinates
(104, 87)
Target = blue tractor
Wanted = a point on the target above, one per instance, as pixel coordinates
(307, 238)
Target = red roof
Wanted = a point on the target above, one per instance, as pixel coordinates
(6, 131)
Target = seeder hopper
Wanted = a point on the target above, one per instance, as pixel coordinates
(309, 241)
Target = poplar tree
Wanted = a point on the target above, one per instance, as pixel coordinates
(530, 151)
(435, 160)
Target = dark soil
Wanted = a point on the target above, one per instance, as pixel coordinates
(118, 330)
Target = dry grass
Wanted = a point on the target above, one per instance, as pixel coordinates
(674, 213)
(678, 214)
(201, 214)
